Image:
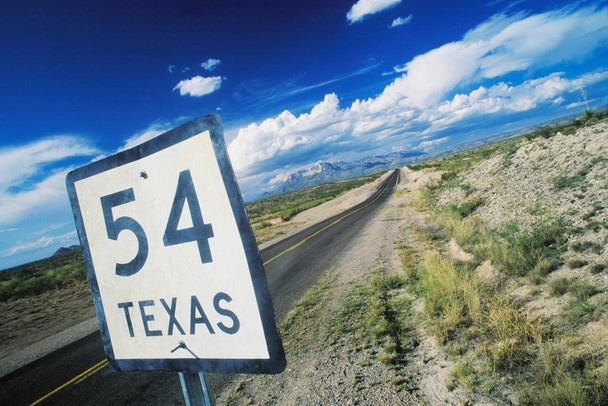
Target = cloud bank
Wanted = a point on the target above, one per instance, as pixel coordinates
(147, 134)
(26, 187)
(454, 83)
(42, 242)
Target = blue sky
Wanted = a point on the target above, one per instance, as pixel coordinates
(295, 82)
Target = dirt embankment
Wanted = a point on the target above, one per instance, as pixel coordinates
(34, 326)
(535, 226)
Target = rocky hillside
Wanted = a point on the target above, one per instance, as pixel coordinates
(483, 280)
(531, 216)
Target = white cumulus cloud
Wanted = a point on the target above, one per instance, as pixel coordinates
(33, 194)
(401, 21)
(454, 83)
(44, 198)
(210, 64)
(499, 46)
(363, 8)
(199, 86)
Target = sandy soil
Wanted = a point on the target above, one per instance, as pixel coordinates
(37, 325)
(524, 187)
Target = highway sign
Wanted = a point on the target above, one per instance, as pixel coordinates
(175, 272)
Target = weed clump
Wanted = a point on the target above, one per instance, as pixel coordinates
(541, 270)
(559, 286)
(518, 251)
(378, 313)
(312, 300)
(582, 246)
(462, 374)
(561, 182)
(575, 263)
(597, 268)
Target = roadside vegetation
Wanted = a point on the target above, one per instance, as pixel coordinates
(507, 271)
(41, 276)
(526, 318)
(363, 343)
(463, 160)
(519, 310)
(269, 216)
(285, 206)
(376, 316)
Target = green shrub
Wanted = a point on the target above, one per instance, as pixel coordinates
(467, 208)
(575, 263)
(449, 175)
(289, 204)
(42, 276)
(561, 182)
(464, 375)
(542, 269)
(517, 251)
(566, 391)
(581, 246)
(261, 225)
(559, 286)
(582, 290)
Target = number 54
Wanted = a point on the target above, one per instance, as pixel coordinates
(199, 232)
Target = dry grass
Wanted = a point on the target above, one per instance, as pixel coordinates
(451, 292)
(489, 333)
(376, 313)
(478, 323)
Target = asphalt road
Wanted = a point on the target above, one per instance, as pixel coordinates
(292, 266)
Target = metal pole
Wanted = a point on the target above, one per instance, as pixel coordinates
(194, 386)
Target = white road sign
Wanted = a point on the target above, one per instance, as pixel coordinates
(175, 272)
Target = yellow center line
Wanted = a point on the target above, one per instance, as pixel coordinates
(293, 247)
(89, 371)
(103, 363)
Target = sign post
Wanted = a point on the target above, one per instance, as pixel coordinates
(174, 269)
(194, 387)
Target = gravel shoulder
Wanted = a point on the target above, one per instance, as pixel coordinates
(328, 364)
(35, 326)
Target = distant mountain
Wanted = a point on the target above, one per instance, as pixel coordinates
(323, 172)
(65, 250)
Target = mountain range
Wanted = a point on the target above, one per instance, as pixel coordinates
(322, 172)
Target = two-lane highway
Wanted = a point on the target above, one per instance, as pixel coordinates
(77, 374)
